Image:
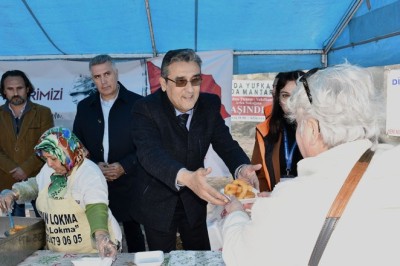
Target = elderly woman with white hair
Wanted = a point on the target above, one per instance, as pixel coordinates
(340, 116)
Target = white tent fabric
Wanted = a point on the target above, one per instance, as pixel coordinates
(266, 36)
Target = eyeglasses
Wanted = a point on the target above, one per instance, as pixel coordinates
(195, 81)
(303, 79)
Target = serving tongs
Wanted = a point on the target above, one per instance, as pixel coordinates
(12, 225)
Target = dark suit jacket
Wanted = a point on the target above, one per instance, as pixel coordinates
(163, 148)
(89, 128)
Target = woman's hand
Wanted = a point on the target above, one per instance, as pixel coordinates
(232, 206)
(7, 199)
(248, 174)
(105, 246)
(263, 194)
(236, 205)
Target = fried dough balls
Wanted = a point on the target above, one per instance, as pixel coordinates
(240, 189)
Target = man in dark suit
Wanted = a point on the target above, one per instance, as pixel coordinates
(173, 193)
(103, 124)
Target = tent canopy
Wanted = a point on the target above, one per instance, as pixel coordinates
(265, 36)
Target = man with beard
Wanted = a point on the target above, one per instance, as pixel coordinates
(22, 122)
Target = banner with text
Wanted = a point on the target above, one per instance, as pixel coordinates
(249, 98)
(393, 103)
(61, 84)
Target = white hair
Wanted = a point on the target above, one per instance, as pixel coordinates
(344, 101)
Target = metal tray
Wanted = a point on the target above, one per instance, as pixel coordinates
(18, 247)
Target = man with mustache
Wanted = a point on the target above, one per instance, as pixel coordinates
(173, 130)
(22, 122)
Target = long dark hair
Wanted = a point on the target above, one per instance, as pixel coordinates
(277, 115)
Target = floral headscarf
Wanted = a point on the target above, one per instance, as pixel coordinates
(68, 149)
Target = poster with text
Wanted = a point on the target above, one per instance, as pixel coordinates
(393, 103)
(249, 98)
(61, 84)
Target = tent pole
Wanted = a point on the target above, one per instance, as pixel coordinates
(150, 22)
(279, 52)
(324, 60)
(375, 39)
(141, 56)
(41, 27)
(343, 23)
(196, 23)
(82, 57)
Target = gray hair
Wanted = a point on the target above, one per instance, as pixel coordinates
(179, 55)
(344, 101)
(101, 59)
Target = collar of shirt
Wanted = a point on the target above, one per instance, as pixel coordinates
(20, 114)
(109, 103)
(190, 113)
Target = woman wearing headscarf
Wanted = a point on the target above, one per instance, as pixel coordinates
(340, 116)
(71, 196)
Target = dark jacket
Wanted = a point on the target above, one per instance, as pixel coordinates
(163, 148)
(89, 128)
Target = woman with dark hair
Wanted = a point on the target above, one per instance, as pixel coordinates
(275, 147)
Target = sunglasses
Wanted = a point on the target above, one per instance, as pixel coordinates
(195, 81)
(303, 79)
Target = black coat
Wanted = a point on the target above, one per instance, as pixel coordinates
(89, 128)
(163, 148)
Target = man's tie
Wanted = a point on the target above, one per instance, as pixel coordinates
(182, 119)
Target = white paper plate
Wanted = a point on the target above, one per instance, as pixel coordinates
(249, 200)
(149, 258)
(245, 201)
(92, 261)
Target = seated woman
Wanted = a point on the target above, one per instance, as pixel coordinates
(339, 116)
(275, 147)
(71, 196)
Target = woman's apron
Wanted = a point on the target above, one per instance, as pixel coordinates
(67, 226)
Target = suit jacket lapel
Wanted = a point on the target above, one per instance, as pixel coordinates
(27, 121)
(6, 120)
(96, 105)
(171, 114)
